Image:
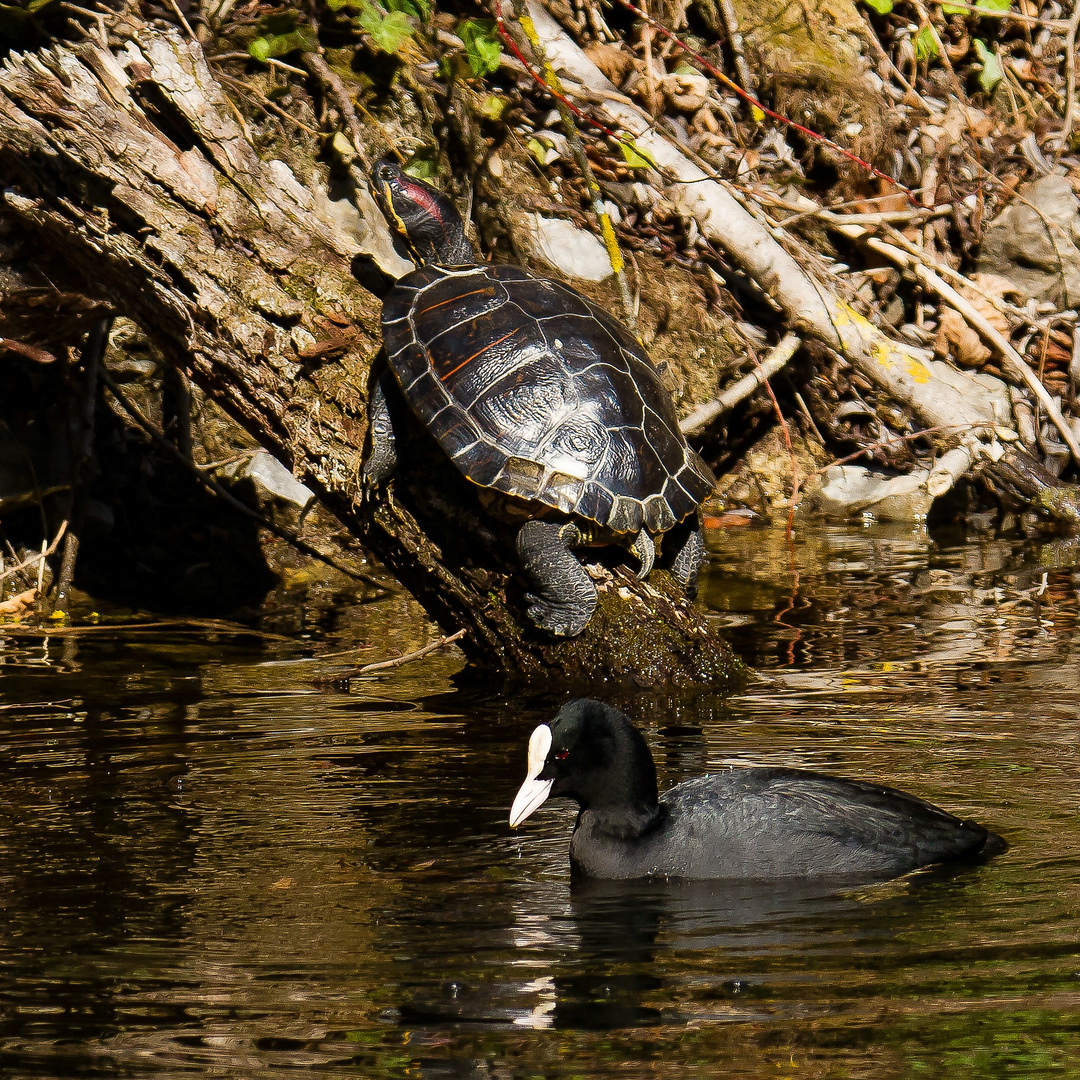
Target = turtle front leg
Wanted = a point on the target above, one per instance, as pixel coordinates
(381, 461)
(565, 597)
(689, 556)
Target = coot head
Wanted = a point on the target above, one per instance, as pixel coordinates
(592, 754)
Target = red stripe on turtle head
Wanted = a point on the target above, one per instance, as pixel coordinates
(425, 218)
(422, 196)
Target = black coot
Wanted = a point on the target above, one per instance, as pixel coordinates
(757, 823)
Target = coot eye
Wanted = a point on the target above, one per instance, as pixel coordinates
(561, 755)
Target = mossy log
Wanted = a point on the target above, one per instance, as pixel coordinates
(137, 177)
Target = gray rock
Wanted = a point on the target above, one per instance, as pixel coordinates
(1034, 242)
(273, 481)
(573, 251)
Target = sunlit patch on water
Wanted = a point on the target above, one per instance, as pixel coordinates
(211, 863)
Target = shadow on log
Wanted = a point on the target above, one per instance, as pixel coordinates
(134, 174)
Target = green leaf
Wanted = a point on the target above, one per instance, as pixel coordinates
(301, 39)
(986, 5)
(482, 47)
(418, 9)
(422, 168)
(991, 73)
(494, 107)
(882, 7)
(388, 31)
(926, 43)
(543, 152)
(635, 158)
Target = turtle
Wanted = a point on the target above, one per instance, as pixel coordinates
(541, 399)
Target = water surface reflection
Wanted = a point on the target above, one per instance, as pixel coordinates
(211, 865)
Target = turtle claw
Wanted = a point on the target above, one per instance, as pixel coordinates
(645, 550)
(557, 619)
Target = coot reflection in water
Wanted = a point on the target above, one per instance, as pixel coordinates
(604, 955)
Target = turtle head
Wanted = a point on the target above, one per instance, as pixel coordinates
(425, 219)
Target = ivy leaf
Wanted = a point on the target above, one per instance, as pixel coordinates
(299, 40)
(991, 73)
(281, 35)
(422, 168)
(388, 31)
(882, 7)
(634, 157)
(482, 47)
(926, 45)
(418, 9)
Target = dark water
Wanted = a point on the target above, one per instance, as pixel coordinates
(211, 866)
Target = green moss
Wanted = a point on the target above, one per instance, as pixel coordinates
(629, 643)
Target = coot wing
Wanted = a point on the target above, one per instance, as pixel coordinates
(764, 822)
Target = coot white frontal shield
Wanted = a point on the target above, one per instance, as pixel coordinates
(533, 793)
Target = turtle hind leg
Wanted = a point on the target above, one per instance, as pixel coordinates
(381, 460)
(565, 597)
(689, 554)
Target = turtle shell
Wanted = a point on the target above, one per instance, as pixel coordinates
(534, 391)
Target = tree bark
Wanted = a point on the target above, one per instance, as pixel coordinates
(135, 173)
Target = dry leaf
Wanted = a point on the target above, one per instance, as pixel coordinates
(19, 603)
(614, 62)
(958, 341)
(687, 91)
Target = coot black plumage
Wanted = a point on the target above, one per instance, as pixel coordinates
(749, 823)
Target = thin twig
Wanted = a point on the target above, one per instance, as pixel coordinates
(97, 16)
(337, 90)
(35, 559)
(796, 479)
(778, 356)
(1014, 362)
(397, 661)
(97, 341)
(650, 74)
(735, 41)
(183, 22)
(270, 61)
(265, 103)
(1010, 14)
(946, 271)
(943, 55)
